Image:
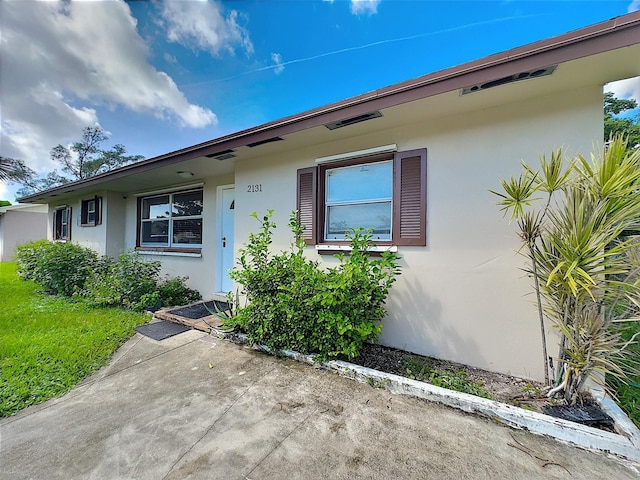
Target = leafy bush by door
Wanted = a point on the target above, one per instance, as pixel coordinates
(295, 304)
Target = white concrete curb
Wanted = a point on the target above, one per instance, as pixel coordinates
(580, 435)
(623, 424)
(626, 443)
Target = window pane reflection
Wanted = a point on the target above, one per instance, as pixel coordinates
(375, 216)
(370, 181)
(187, 204)
(156, 207)
(187, 231)
(155, 232)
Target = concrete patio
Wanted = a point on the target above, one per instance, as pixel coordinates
(194, 406)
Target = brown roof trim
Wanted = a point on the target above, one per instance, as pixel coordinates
(612, 34)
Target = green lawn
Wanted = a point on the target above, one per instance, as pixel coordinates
(629, 395)
(48, 344)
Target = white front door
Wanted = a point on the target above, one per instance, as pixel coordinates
(225, 239)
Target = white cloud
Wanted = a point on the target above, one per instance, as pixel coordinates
(201, 24)
(279, 66)
(4, 192)
(62, 60)
(627, 89)
(170, 58)
(633, 6)
(361, 7)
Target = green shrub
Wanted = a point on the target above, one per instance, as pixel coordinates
(135, 283)
(124, 282)
(294, 304)
(61, 268)
(134, 277)
(99, 290)
(174, 291)
(65, 268)
(150, 301)
(27, 256)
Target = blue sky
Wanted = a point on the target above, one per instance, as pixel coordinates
(165, 74)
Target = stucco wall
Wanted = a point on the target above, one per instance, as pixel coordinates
(94, 237)
(113, 212)
(462, 297)
(200, 270)
(21, 226)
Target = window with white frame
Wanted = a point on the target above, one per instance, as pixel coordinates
(171, 220)
(62, 223)
(90, 212)
(359, 196)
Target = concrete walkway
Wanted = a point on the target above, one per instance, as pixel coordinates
(194, 406)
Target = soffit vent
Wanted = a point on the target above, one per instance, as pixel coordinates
(350, 121)
(262, 142)
(223, 155)
(539, 72)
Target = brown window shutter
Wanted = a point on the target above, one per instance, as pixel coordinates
(306, 203)
(410, 198)
(138, 221)
(98, 214)
(69, 222)
(57, 221)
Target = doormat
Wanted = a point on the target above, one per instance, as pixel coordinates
(200, 310)
(161, 330)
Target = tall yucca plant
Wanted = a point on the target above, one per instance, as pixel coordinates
(585, 273)
(518, 199)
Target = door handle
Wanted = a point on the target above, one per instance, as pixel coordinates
(224, 242)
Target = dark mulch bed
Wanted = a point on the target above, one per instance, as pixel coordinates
(504, 388)
(516, 391)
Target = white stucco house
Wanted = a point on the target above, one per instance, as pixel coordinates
(414, 161)
(21, 224)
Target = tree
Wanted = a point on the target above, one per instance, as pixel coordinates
(614, 125)
(33, 184)
(83, 159)
(13, 170)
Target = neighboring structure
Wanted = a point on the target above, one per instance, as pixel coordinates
(413, 161)
(21, 224)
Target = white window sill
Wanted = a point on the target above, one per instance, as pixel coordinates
(170, 254)
(347, 248)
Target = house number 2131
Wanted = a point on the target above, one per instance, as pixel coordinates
(255, 188)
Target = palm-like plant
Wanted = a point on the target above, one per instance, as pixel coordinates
(12, 169)
(7, 169)
(585, 272)
(519, 198)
